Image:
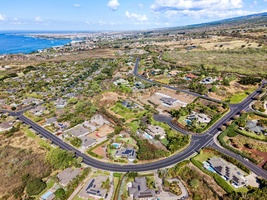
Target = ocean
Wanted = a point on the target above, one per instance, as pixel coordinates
(19, 42)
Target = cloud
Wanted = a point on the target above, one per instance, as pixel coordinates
(199, 8)
(77, 5)
(136, 16)
(2, 17)
(38, 19)
(113, 4)
(164, 5)
(141, 5)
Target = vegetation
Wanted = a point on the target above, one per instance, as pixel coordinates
(35, 186)
(60, 159)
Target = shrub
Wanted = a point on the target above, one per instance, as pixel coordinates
(35, 186)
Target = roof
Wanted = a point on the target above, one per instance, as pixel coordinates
(140, 190)
(93, 188)
(87, 141)
(228, 170)
(127, 153)
(168, 100)
(191, 75)
(67, 175)
(51, 120)
(253, 126)
(6, 125)
(78, 131)
(155, 130)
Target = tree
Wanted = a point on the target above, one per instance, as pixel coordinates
(132, 174)
(194, 183)
(60, 193)
(35, 186)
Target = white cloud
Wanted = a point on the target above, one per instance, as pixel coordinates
(164, 5)
(38, 19)
(77, 5)
(113, 4)
(136, 16)
(2, 17)
(141, 5)
(199, 8)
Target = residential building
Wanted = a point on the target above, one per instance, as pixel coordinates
(30, 101)
(67, 175)
(121, 82)
(38, 111)
(155, 130)
(50, 121)
(208, 80)
(228, 171)
(60, 103)
(191, 76)
(93, 188)
(168, 101)
(87, 141)
(253, 126)
(200, 117)
(77, 131)
(130, 154)
(6, 126)
(139, 190)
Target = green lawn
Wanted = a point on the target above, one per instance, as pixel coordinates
(127, 113)
(134, 125)
(204, 156)
(29, 133)
(164, 141)
(238, 97)
(253, 135)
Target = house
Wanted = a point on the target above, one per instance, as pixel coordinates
(139, 85)
(77, 131)
(67, 175)
(253, 127)
(173, 73)
(156, 72)
(6, 126)
(191, 76)
(155, 130)
(139, 190)
(130, 154)
(200, 117)
(208, 80)
(168, 101)
(87, 141)
(30, 101)
(228, 171)
(93, 188)
(61, 125)
(60, 103)
(50, 121)
(121, 82)
(38, 111)
(98, 120)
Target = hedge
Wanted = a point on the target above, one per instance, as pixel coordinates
(222, 142)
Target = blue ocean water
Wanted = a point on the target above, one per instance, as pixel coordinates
(15, 42)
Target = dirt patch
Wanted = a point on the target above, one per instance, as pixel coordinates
(109, 98)
(99, 151)
(102, 132)
(154, 95)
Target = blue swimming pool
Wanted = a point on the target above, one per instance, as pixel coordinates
(208, 167)
(189, 122)
(116, 145)
(147, 136)
(46, 195)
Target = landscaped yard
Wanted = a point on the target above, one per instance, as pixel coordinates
(127, 113)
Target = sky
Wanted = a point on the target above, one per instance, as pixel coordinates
(96, 15)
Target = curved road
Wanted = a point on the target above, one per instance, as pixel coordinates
(197, 142)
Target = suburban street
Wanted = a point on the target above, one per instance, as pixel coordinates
(197, 141)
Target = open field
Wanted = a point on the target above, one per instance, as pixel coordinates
(103, 131)
(83, 55)
(243, 61)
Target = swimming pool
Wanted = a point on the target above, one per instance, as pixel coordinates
(189, 122)
(147, 136)
(116, 145)
(208, 167)
(46, 195)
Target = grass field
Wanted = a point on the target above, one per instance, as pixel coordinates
(244, 61)
(238, 97)
(127, 113)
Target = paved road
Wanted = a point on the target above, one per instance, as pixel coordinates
(197, 142)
